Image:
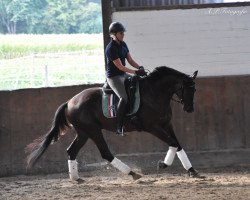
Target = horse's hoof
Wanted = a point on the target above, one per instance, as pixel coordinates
(192, 173)
(135, 175)
(161, 165)
(78, 181)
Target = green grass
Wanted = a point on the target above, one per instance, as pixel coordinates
(12, 46)
(9, 51)
(68, 59)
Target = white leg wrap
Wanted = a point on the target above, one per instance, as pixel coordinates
(184, 159)
(73, 170)
(170, 156)
(121, 166)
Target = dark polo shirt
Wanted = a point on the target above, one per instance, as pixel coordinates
(112, 52)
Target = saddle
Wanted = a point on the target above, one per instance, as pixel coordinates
(110, 99)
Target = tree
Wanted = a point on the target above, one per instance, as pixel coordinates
(91, 21)
(50, 16)
(7, 16)
(73, 16)
(35, 16)
(14, 12)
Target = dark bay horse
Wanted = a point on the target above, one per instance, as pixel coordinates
(84, 113)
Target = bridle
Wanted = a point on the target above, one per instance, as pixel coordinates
(180, 100)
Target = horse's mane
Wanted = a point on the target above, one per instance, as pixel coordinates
(164, 71)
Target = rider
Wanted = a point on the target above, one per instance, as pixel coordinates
(116, 53)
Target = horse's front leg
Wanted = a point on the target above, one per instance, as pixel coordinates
(167, 135)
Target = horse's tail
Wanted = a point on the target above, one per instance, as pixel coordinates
(38, 146)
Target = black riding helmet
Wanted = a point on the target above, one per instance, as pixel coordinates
(116, 27)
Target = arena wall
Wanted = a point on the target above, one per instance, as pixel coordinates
(216, 134)
(214, 40)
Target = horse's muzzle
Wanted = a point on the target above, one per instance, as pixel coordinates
(188, 109)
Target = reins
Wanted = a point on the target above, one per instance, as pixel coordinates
(176, 100)
(180, 101)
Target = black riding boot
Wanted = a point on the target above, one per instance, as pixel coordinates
(121, 107)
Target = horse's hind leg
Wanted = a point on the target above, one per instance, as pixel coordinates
(106, 154)
(72, 152)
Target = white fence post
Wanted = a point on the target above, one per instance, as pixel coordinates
(46, 76)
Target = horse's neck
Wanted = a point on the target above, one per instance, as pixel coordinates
(159, 91)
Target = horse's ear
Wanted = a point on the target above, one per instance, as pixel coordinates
(194, 74)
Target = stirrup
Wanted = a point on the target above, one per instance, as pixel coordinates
(120, 131)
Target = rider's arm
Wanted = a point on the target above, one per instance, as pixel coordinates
(131, 61)
(121, 67)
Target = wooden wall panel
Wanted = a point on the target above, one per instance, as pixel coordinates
(220, 123)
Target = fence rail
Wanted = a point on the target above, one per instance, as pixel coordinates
(52, 69)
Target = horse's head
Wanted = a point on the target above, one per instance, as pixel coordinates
(186, 91)
(179, 83)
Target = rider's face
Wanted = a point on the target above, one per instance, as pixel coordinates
(120, 36)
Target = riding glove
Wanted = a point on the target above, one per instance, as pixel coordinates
(141, 72)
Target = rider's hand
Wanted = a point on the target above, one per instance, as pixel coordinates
(141, 67)
(141, 72)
